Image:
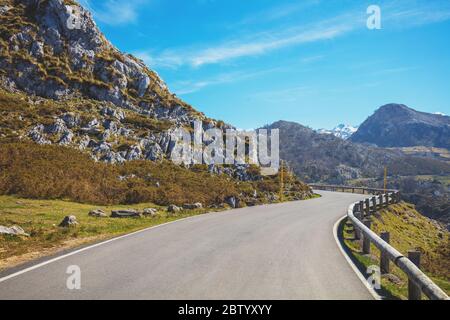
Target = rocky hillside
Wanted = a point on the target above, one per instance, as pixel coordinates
(79, 90)
(396, 125)
(63, 84)
(325, 158)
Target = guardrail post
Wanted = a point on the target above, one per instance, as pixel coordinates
(366, 240)
(414, 292)
(384, 259)
(386, 196)
(397, 196)
(374, 204)
(380, 199)
(367, 205)
(361, 209)
(357, 214)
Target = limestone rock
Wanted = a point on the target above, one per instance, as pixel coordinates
(192, 206)
(232, 201)
(14, 230)
(98, 213)
(173, 208)
(125, 214)
(69, 221)
(150, 212)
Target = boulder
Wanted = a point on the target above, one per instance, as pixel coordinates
(125, 214)
(14, 230)
(192, 206)
(98, 213)
(69, 221)
(173, 208)
(150, 212)
(232, 201)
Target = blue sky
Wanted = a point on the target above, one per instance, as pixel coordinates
(252, 62)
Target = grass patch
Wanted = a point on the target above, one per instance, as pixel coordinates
(40, 219)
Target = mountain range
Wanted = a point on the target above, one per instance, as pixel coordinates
(317, 157)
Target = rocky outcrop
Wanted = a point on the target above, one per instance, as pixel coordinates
(59, 53)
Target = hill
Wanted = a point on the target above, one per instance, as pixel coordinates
(82, 102)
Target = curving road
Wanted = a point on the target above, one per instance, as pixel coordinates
(281, 251)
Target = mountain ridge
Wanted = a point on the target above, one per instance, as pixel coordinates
(397, 125)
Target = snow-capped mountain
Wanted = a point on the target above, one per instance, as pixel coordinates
(343, 131)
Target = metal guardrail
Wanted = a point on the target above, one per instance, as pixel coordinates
(364, 190)
(418, 282)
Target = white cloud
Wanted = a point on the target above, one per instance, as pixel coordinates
(400, 13)
(253, 45)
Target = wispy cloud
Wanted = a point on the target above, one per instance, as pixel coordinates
(114, 12)
(404, 14)
(254, 45)
(394, 70)
(407, 14)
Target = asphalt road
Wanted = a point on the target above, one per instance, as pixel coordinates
(281, 251)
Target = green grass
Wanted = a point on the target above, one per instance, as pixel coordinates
(40, 218)
(408, 230)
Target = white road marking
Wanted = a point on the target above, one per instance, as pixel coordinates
(39, 265)
(361, 277)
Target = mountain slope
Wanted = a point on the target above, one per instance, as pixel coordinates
(322, 157)
(75, 88)
(396, 125)
(67, 87)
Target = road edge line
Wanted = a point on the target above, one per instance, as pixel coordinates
(361, 277)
